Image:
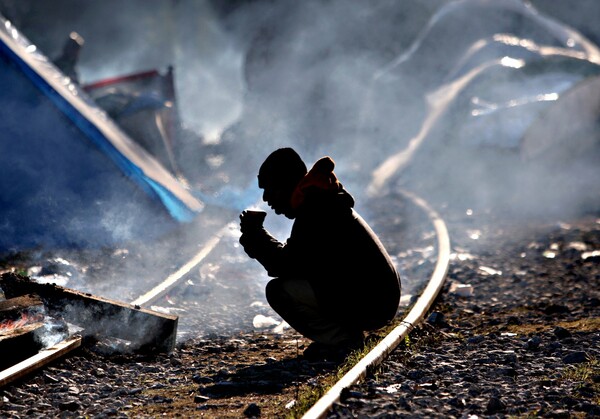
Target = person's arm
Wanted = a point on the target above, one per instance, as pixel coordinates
(257, 242)
(276, 257)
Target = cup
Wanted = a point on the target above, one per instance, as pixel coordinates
(255, 215)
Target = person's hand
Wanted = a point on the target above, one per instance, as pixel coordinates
(251, 220)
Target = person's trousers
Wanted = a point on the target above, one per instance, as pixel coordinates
(295, 301)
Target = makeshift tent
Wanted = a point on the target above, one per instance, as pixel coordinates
(69, 174)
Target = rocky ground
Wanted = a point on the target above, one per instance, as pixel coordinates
(525, 342)
(232, 367)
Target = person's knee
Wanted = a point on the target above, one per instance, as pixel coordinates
(274, 292)
(285, 294)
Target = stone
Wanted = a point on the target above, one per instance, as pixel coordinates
(437, 319)
(561, 333)
(476, 339)
(495, 405)
(575, 358)
(252, 411)
(533, 343)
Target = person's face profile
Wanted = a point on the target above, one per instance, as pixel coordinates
(277, 197)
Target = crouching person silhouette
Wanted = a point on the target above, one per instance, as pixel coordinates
(332, 279)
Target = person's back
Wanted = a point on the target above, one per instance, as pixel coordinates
(344, 260)
(334, 279)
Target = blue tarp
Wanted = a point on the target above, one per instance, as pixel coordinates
(69, 175)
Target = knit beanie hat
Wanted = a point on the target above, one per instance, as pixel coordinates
(283, 168)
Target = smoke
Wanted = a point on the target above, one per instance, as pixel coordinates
(483, 85)
(430, 95)
(349, 79)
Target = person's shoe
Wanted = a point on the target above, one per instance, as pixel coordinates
(315, 351)
(320, 352)
(335, 353)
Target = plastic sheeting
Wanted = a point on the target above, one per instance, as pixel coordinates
(69, 174)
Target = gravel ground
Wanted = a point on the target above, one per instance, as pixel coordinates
(522, 340)
(226, 363)
(524, 343)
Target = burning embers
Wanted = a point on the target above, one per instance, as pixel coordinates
(18, 312)
(35, 316)
(25, 328)
(8, 326)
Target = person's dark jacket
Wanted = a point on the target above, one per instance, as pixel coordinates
(333, 248)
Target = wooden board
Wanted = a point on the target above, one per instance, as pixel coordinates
(147, 330)
(39, 360)
(19, 343)
(19, 303)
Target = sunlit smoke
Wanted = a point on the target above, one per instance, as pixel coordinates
(447, 95)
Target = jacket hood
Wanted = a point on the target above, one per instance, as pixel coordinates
(319, 179)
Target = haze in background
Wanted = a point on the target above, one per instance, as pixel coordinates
(255, 75)
(429, 94)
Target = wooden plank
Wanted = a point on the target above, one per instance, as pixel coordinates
(39, 360)
(17, 331)
(19, 343)
(9, 309)
(147, 330)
